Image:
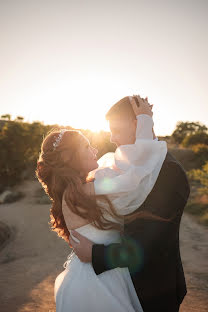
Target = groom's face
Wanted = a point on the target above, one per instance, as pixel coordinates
(123, 131)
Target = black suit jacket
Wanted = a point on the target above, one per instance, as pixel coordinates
(150, 247)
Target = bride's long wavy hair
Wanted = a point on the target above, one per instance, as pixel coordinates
(58, 170)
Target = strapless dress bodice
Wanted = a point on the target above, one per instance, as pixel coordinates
(98, 236)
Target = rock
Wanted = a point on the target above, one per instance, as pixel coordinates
(41, 197)
(28, 173)
(44, 200)
(4, 196)
(9, 196)
(5, 233)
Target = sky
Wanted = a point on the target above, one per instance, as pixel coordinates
(68, 61)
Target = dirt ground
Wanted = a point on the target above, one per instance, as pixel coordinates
(34, 256)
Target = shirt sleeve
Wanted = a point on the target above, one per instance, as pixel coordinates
(138, 167)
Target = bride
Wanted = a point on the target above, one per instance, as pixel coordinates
(92, 200)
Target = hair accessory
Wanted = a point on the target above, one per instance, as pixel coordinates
(58, 139)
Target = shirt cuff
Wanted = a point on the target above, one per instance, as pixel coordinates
(144, 127)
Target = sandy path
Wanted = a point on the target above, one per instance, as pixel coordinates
(32, 260)
(34, 257)
(194, 253)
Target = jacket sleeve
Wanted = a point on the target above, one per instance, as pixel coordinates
(146, 237)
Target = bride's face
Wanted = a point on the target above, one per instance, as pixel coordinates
(88, 156)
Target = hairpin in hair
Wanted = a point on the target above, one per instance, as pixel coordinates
(58, 139)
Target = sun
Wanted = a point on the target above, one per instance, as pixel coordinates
(93, 122)
(84, 103)
(81, 102)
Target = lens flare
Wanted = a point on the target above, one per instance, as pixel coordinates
(106, 185)
(129, 254)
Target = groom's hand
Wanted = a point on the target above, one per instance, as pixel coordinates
(83, 249)
(141, 106)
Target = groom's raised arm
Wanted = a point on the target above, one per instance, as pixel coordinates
(144, 238)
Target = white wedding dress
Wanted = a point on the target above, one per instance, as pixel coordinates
(79, 289)
(127, 177)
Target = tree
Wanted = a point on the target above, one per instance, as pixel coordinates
(6, 117)
(19, 118)
(20, 144)
(19, 147)
(184, 129)
(195, 138)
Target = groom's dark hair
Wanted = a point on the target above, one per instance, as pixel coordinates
(121, 109)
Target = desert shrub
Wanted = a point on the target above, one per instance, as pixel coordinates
(196, 208)
(196, 138)
(19, 148)
(184, 129)
(201, 153)
(199, 210)
(200, 175)
(20, 144)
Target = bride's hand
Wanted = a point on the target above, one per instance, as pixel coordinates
(141, 106)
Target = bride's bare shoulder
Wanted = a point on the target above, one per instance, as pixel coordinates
(72, 220)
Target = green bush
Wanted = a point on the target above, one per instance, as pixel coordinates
(19, 147)
(184, 129)
(199, 210)
(20, 144)
(201, 153)
(201, 175)
(196, 138)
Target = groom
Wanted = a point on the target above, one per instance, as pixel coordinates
(150, 245)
